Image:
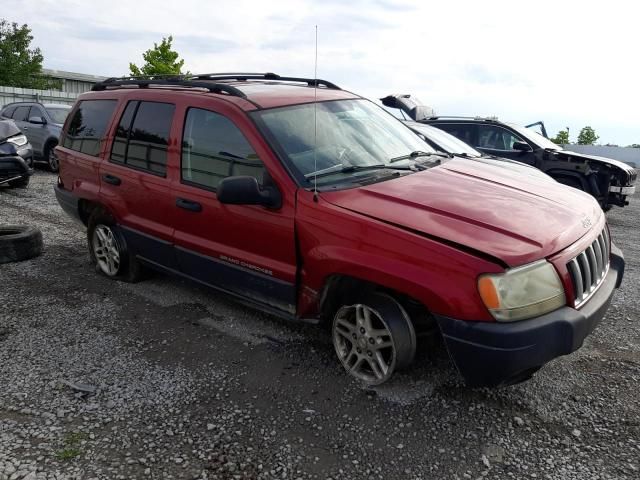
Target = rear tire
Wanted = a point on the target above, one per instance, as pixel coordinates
(108, 249)
(373, 338)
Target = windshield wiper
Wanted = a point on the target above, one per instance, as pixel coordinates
(352, 168)
(419, 153)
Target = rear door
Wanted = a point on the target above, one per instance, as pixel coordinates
(133, 178)
(247, 250)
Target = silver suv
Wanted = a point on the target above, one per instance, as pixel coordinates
(42, 124)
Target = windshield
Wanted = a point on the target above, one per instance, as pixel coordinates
(535, 137)
(58, 114)
(351, 134)
(447, 142)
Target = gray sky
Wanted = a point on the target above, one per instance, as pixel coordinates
(571, 63)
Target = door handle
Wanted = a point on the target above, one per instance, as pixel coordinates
(112, 179)
(188, 205)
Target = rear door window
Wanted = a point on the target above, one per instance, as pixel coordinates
(213, 148)
(142, 136)
(20, 114)
(463, 131)
(87, 128)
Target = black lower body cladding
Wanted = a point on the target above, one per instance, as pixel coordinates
(492, 353)
(69, 203)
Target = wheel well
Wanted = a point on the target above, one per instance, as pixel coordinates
(48, 144)
(86, 208)
(571, 177)
(343, 289)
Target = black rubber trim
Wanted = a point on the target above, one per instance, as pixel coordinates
(68, 202)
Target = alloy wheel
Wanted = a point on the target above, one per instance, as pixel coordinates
(364, 343)
(53, 160)
(106, 250)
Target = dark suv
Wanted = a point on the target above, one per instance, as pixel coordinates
(610, 181)
(314, 204)
(42, 124)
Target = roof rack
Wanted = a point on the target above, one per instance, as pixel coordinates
(205, 80)
(166, 81)
(437, 117)
(265, 76)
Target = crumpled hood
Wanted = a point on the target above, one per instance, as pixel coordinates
(517, 219)
(8, 128)
(628, 169)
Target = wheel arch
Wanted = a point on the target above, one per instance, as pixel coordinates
(445, 285)
(87, 207)
(558, 175)
(340, 289)
(48, 144)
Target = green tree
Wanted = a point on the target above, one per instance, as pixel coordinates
(634, 145)
(21, 66)
(159, 60)
(562, 138)
(587, 136)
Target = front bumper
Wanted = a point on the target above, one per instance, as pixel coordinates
(630, 190)
(491, 353)
(14, 167)
(26, 152)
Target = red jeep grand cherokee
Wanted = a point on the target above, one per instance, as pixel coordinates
(314, 204)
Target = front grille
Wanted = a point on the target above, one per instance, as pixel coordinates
(589, 268)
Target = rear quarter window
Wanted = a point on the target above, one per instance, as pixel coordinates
(8, 112)
(88, 126)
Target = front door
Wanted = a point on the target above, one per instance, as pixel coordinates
(246, 250)
(498, 141)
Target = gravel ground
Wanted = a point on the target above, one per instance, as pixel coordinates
(164, 379)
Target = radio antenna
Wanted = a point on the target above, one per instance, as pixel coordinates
(315, 122)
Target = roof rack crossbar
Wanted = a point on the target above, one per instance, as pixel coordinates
(266, 76)
(167, 81)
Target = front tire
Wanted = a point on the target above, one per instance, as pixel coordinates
(51, 158)
(108, 249)
(21, 182)
(373, 338)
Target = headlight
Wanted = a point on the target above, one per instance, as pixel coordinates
(522, 292)
(18, 140)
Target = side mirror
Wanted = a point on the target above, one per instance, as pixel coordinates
(243, 190)
(37, 120)
(521, 146)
